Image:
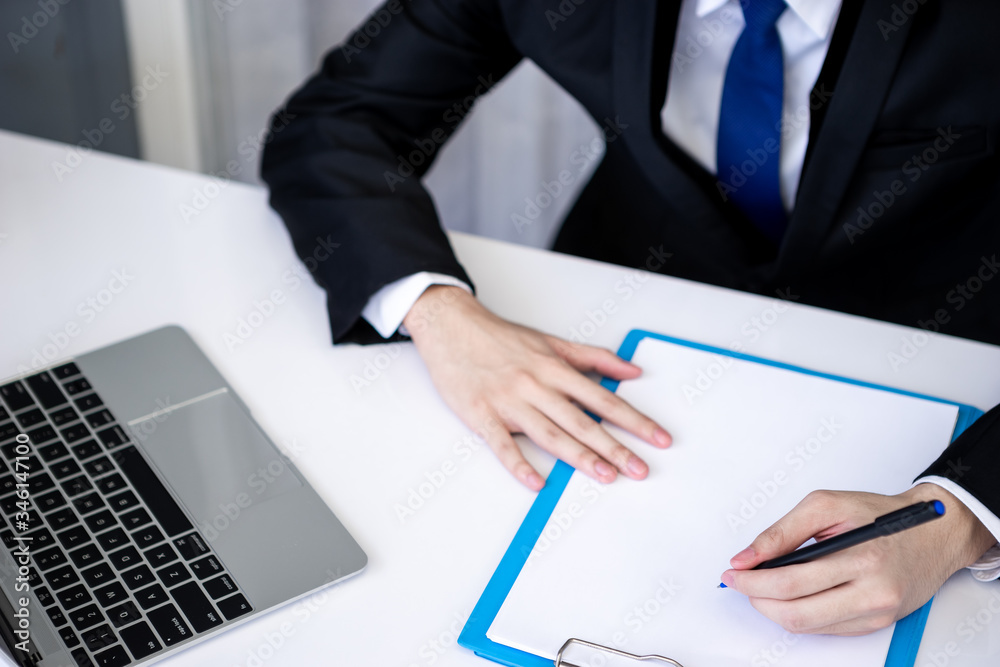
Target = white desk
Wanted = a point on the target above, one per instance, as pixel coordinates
(365, 448)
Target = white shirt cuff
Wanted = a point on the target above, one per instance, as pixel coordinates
(386, 308)
(986, 568)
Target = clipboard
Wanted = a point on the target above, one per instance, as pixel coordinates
(907, 633)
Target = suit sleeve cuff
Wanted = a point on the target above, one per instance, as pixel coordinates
(386, 308)
(987, 568)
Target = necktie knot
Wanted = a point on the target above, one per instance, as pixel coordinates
(761, 15)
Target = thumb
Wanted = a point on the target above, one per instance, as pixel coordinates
(813, 516)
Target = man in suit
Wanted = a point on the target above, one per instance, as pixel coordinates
(843, 151)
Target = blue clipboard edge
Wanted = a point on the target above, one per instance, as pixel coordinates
(906, 636)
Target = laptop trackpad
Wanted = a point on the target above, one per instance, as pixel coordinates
(215, 458)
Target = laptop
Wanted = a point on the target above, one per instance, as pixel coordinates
(143, 510)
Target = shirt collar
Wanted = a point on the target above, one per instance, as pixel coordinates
(819, 15)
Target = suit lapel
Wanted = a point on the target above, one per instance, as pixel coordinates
(635, 34)
(860, 92)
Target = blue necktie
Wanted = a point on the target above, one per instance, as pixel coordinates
(749, 143)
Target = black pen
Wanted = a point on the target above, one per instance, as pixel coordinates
(889, 524)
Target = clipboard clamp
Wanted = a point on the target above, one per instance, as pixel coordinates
(561, 662)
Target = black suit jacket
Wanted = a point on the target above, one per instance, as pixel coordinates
(897, 215)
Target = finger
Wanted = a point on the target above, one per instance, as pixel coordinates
(503, 445)
(794, 581)
(588, 432)
(587, 358)
(556, 441)
(849, 608)
(607, 405)
(819, 512)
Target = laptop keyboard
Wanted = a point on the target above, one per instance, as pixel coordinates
(116, 564)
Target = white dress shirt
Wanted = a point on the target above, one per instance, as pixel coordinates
(707, 31)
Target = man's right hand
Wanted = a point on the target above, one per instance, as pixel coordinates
(493, 372)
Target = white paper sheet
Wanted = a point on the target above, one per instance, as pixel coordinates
(636, 565)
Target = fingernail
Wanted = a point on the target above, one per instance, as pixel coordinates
(603, 469)
(744, 556)
(727, 579)
(662, 437)
(636, 466)
(535, 481)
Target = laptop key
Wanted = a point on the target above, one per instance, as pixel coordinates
(75, 433)
(151, 597)
(86, 449)
(113, 657)
(87, 556)
(99, 418)
(147, 537)
(125, 558)
(76, 386)
(113, 437)
(63, 518)
(81, 658)
(220, 587)
(7, 432)
(77, 485)
(196, 607)
(50, 558)
(61, 578)
(41, 435)
(140, 640)
(112, 539)
(174, 574)
(206, 567)
(46, 389)
(69, 637)
(159, 501)
(88, 402)
(7, 484)
(88, 503)
(66, 370)
(234, 607)
(135, 518)
(74, 537)
(111, 483)
(98, 575)
(191, 546)
(16, 396)
(64, 469)
(125, 500)
(4, 414)
(30, 418)
(40, 481)
(63, 416)
(56, 450)
(71, 598)
(101, 520)
(124, 614)
(100, 637)
(161, 555)
(138, 577)
(56, 615)
(169, 624)
(44, 596)
(50, 501)
(98, 467)
(40, 538)
(110, 594)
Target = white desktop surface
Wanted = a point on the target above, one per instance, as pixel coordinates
(365, 447)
